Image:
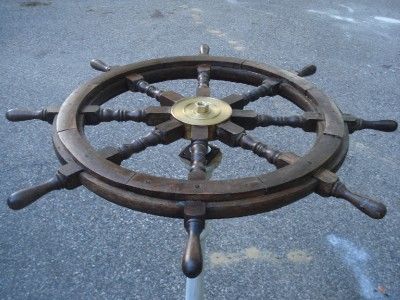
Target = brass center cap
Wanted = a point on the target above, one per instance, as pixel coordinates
(202, 111)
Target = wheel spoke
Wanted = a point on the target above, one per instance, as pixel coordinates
(331, 185)
(307, 121)
(164, 133)
(245, 118)
(94, 115)
(269, 87)
(228, 133)
(235, 136)
(138, 145)
(152, 115)
(203, 74)
(136, 83)
(198, 160)
(249, 119)
(120, 115)
(248, 142)
(203, 80)
(198, 151)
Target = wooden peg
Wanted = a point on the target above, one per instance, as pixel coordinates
(307, 71)
(99, 65)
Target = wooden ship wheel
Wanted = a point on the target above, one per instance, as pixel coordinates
(200, 119)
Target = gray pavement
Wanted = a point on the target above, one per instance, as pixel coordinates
(75, 245)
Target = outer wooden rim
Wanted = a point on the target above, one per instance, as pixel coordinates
(154, 194)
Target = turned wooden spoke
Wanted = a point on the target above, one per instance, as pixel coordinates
(120, 115)
(164, 133)
(203, 77)
(148, 89)
(94, 115)
(249, 119)
(292, 121)
(203, 80)
(248, 142)
(136, 83)
(151, 115)
(307, 121)
(198, 150)
(269, 87)
(151, 139)
(235, 136)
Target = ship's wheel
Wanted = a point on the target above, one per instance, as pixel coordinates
(200, 119)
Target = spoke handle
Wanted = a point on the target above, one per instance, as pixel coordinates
(192, 261)
(17, 115)
(381, 125)
(307, 71)
(27, 196)
(372, 208)
(204, 49)
(99, 65)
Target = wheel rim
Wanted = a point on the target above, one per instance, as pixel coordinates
(112, 181)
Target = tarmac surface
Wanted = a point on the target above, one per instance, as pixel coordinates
(75, 245)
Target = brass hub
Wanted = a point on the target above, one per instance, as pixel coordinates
(201, 111)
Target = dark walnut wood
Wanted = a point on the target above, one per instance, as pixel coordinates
(269, 87)
(197, 199)
(290, 182)
(99, 65)
(136, 83)
(192, 260)
(203, 81)
(198, 151)
(25, 197)
(307, 71)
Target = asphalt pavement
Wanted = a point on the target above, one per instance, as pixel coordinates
(75, 245)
